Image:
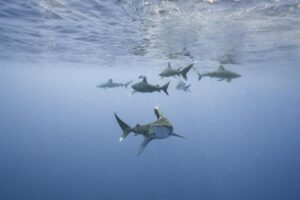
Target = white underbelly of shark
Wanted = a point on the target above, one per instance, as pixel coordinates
(161, 132)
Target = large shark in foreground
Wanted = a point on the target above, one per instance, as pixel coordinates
(169, 71)
(144, 86)
(220, 73)
(111, 84)
(159, 129)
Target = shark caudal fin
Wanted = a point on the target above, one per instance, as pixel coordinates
(185, 71)
(125, 128)
(126, 84)
(198, 73)
(186, 89)
(165, 88)
(199, 76)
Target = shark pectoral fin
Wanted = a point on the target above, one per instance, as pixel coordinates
(221, 79)
(132, 93)
(144, 144)
(174, 134)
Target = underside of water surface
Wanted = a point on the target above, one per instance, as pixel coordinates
(69, 67)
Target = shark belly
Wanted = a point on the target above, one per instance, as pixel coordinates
(161, 132)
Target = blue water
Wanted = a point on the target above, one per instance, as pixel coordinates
(58, 135)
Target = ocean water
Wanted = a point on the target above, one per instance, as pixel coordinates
(59, 138)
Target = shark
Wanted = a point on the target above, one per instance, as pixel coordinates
(220, 73)
(169, 71)
(161, 128)
(144, 87)
(183, 86)
(111, 84)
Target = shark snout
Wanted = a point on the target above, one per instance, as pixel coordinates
(237, 75)
(161, 74)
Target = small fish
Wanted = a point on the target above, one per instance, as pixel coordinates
(183, 86)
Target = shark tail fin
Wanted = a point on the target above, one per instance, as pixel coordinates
(186, 89)
(126, 84)
(185, 71)
(165, 88)
(198, 73)
(125, 128)
(199, 76)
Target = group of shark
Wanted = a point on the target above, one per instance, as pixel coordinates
(161, 128)
(144, 87)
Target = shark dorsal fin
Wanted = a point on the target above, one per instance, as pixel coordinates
(145, 79)
(221, 68)
(157, 112)
(110, 80)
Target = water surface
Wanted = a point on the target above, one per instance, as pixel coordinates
(58, 135)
